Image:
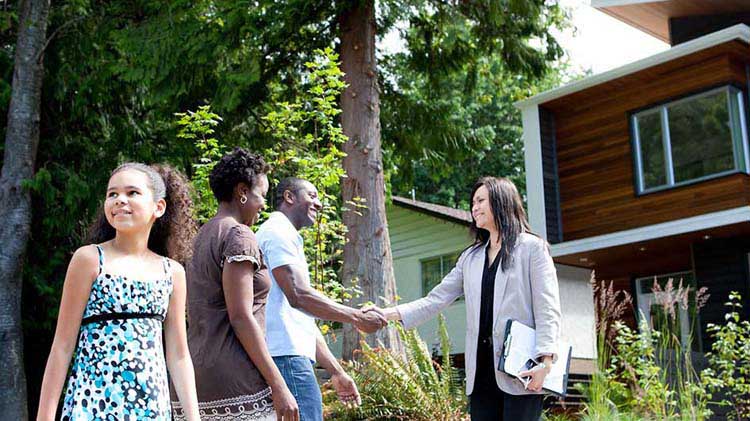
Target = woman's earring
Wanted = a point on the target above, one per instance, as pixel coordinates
(243, 199)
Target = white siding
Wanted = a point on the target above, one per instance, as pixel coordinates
(577, 306)
(415, 237)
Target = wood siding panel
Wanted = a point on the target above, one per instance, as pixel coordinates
(595, 158)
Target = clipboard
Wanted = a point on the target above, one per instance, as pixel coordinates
(518, 355)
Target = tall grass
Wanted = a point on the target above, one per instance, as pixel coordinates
(647, 373)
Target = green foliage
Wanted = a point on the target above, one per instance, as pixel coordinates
(392, 388)
(116, 72)
(196, 127)
(645, 381)
(308, 139)
(645, 373)
(548, 416)
(729, 360)
(437, 157)
(637, 364)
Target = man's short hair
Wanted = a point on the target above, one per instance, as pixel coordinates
(292, 184)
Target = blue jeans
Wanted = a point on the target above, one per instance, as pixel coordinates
(299, 375)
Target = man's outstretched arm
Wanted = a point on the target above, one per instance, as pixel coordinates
(303, 297)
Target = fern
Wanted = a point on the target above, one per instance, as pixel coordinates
(411, 388)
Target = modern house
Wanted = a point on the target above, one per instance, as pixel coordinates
(643, 172)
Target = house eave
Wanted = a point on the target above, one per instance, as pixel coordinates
(418, 206)
(739, 32)
(650, 232)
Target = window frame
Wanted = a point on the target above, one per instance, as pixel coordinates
(444, 272)
(643, 302)
(739, 148)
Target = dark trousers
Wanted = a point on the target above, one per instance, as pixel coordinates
(492, 404)
(488, 403)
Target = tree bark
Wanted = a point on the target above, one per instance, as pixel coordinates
(21, 141)
(367, 253)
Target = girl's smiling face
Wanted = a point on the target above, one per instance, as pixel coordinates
(130, 204)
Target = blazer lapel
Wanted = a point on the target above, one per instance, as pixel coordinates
(476, 267)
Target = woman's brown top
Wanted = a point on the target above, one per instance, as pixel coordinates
(227, 381)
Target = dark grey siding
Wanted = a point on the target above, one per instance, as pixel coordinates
(690, 27)
(549, 170)
(721, 265)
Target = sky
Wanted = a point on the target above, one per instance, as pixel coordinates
(601, 42)
(596, 41)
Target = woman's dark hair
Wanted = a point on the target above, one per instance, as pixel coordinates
(507, 212)
(172, 234)
(238, 166)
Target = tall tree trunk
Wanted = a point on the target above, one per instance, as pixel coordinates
(367, 253)
(21, 141)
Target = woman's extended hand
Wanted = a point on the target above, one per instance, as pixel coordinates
(537, 374)
(389, 313)
(285, 405)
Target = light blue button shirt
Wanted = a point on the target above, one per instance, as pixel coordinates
(288, 331)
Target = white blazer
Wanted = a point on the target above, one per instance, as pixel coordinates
(527, 292)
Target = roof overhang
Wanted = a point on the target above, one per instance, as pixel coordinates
(445, 213)
(651, 232)
(739, 32)
(652, 16)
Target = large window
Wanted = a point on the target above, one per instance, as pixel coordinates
(691, 139)
(434, 270)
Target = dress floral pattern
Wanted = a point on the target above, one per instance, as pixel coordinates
(119, 371)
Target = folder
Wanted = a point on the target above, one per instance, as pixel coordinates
(518, 354)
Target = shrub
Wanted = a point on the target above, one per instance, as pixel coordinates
(729, 360)
(415, 388)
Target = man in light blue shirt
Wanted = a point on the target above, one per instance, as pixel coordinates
(294, 340)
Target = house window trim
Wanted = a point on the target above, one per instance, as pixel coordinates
(661, 108)
(421, 272)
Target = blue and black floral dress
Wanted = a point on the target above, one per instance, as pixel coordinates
(119, 371)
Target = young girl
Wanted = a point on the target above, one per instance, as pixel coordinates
(118, 294)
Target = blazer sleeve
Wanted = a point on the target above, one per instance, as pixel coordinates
(545, 296)
(451, 287)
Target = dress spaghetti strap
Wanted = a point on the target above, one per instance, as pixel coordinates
(101, 258)
(167, 268)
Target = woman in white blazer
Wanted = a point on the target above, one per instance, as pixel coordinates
(507, 273)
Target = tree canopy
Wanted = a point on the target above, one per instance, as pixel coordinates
(117, 72)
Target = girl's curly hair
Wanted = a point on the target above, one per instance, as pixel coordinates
(238, 166)
(172, 234)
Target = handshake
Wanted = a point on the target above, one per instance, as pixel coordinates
(372, 318)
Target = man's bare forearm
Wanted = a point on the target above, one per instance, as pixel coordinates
(318, 305)
(303, 297)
